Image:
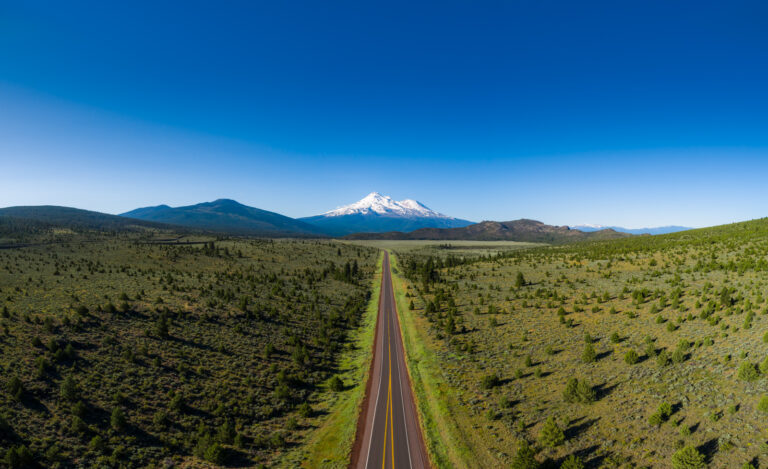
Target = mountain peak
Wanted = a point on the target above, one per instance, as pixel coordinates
(383, 205)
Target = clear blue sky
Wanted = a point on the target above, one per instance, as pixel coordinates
(627, 113)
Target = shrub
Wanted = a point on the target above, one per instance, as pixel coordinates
(117, 420)
(748, 371)
(97, 444)
(16, 388)
(519, 280)
(615, 338)
(688, 458)
(161, 327)
(69, 389)
(18, 457)
(579, 391)
(490, 381)
(215, 454)
(336, 384)
(631, 357)
(762, 406)
(665, 409)
(572, 462)
(764, 366)
(551, 435)
(305, 410)
(588, 355)
(663, 358)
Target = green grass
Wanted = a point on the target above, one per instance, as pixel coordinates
(330, 445)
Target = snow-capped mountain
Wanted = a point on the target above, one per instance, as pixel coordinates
(376, 213)
(653, 231)
(385, 205)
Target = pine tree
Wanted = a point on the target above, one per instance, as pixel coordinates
(519, 280)
(117, 420)
(525, 458)
(16, 388)
(588, 355)
(69, 389)
(551, 435)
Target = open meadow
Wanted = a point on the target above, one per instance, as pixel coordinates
(640, 352)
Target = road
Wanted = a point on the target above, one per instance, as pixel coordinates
(388, 434)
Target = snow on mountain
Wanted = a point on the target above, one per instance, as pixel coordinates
(376, 213)
(386, 206)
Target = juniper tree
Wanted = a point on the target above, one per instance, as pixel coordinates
(525, 457)
(69, 389)
(588, 355)
(117, 420)
(16, 388)
(572, 462)
(551, 435)
(748, 371)
(688, 458)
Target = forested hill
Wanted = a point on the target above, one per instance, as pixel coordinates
(517, 230)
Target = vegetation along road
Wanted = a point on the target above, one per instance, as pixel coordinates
(389, 434)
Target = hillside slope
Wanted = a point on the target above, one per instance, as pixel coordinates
(227, 216)
(49, 216)
(517, 230)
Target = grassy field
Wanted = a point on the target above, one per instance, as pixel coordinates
(665, 337)
(458, 248)
(120, 353)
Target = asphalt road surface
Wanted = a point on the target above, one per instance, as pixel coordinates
(389, 436)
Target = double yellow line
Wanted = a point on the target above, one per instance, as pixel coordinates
(389, 416)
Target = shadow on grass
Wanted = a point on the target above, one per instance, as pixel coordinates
(575, 430)
(708, 449)
(604, 390)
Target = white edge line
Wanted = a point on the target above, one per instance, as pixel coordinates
(402, 401)
(378, 391)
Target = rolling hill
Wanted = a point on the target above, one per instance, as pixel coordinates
(48, 216)
(517, 230)
(225, 215)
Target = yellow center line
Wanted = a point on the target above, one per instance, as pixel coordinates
(388, 412)
(391, 416)
(386, 423)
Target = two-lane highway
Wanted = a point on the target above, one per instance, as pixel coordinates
(389, 435)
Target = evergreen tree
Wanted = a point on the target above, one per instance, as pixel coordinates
(551, 435)
(525, 458)
(117, 420)
(69, 389)
(588, 355)
(519, 280)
